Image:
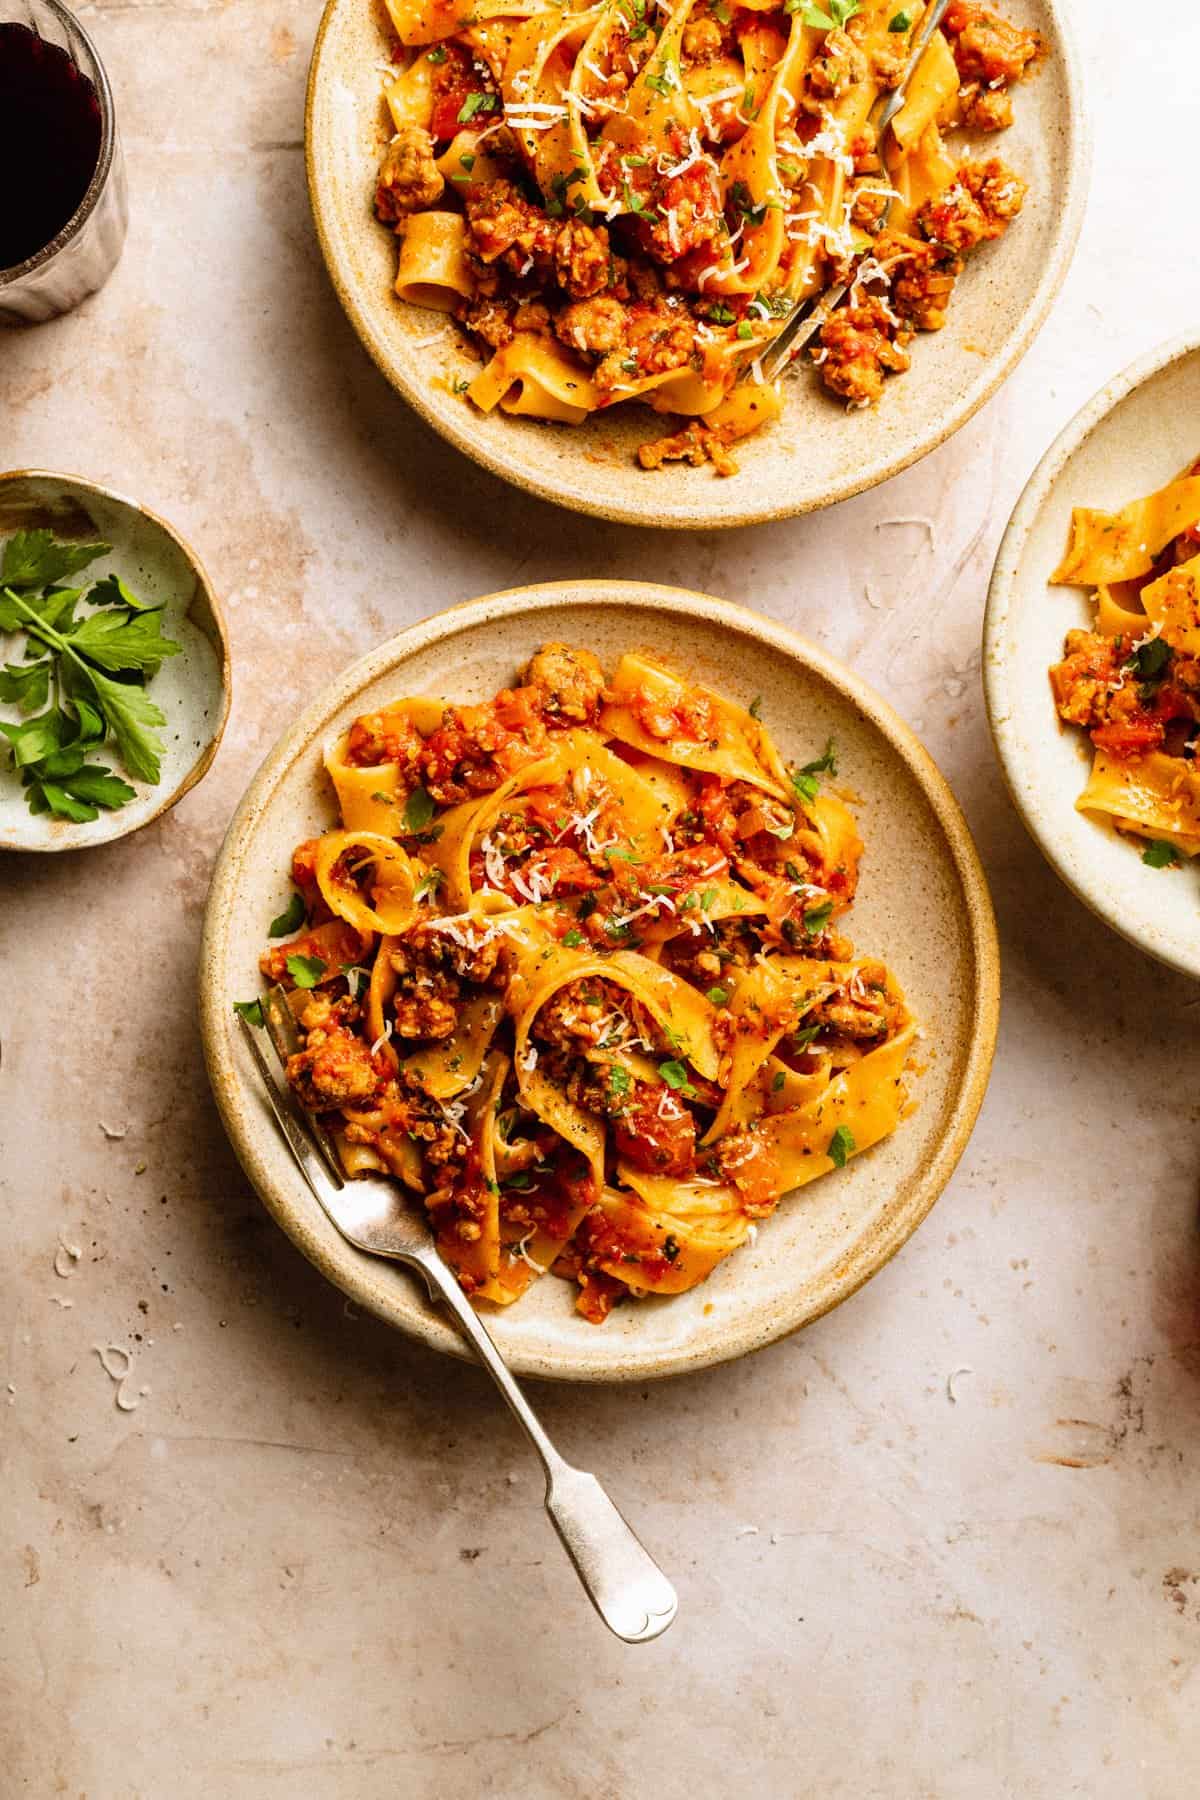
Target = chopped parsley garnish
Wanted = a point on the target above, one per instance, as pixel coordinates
(572, 939)
(817, 918)
(522, 1179)
(816, 16)
(1151, 660)
(745, 330)
(429, 884)
(777, 1081)
(250, 1010)
(560, 185)
(676, 1077)
(635, 14)
(1158, 854)
(741, 197)
(721, 314)
(634, 205)
(305, 971)
(618, 1079)
(841, 1145)
(707, 898)
(804, 780)
(900, 21)
(97, 664)
(717, 996)
(418, 810)
(670, 1247)
(477, 103)
(668, 81)
(803, 1038)
(437, 54)
(459, 385)
(290, 919)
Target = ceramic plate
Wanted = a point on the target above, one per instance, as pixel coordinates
(1138, 433)
(817, 452)
(923, 904)
(192, 689)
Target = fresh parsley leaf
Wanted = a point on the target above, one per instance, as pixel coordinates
(290, 919)
(900, 21)
(429, 884)
(37, 558)
(572, 939)
(803, 1038)
(721, 314)
(305, 971)
(777, 1081)
(59, 801)
(132, 719)
(676, 1077)
(100, 787)
(825, 764)
(119, 641)
(476, 103)
(755, 707)
(618, 1079)
(1151, 659)
(670, 1247)
(717, 996)
(26, 685)
(817, 918)
(37, 738)
(841, 1145)
(250, 1010)
(745, 330)
(418, 810)
(1158, 854)
(110, 590)
(437, 54)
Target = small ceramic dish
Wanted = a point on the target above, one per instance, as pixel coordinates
(923, 904)
(192, 689)
(817, 452)
(1138, 433)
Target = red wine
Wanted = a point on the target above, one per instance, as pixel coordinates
(50, 130)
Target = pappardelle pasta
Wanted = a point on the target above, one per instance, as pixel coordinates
(621, 200)
(572, 970)
(1133, 684)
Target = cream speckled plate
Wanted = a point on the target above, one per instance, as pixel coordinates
(1139, 432)
(923, 905)
(192, 689)
(817, 452)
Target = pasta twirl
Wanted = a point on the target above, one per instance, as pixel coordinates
(620, 201)
(573, 973)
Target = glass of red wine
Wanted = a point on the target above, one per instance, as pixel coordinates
(63, 217)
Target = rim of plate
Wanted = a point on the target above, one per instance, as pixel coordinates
(357, 1276)
(1001, 593)
(204, 760)
(670, 516)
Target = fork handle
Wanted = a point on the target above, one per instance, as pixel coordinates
(622, 1580)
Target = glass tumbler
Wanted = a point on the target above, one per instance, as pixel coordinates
(83, 249)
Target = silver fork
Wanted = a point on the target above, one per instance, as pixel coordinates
(807, 317)
(624, 1583)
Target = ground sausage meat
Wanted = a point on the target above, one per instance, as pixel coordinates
(408, 176)
(986, 47)
(570, 682)
(335, 1067)
(594, 327)
(976, 209)
(582, 259)
(860, 348)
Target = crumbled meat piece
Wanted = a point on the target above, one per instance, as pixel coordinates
(701, 41)
(430, 1010)
(985, 108)
(922, 278)
(986, 47)
(838, 64)
(581, 259)
(976, 209)
(473, 750)
(571, 682)
(335, 1067)
(695, 444)
(595, 326)
(1082, 681)
(867, 207)
(861, 1009)
(861, 347)
(503, 224)
(409, 179)
(388, 736)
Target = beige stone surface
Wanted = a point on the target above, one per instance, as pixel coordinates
(942, 1544)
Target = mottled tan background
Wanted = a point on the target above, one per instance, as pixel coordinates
(311, 1564)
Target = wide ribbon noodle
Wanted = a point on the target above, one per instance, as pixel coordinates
(572, 970)
(1133, 683)
(623, 200)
